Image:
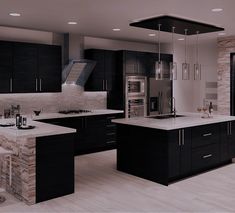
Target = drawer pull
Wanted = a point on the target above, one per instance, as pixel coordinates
(113, 133)
(111, 125)
(207, 156)
(110, 142)
(113, 117)
(207, 134)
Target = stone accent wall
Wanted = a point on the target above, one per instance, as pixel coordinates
(23, 168)
(226, 46)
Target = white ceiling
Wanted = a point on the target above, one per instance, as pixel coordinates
(98, 17)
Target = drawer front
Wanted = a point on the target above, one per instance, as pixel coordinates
(205, 157)
(205, 135)
(110, 138)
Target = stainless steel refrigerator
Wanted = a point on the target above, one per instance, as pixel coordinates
(159, 96)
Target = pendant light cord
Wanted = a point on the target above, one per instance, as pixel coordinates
(197, 47)
(159, 44)
(173, 45)
(185, 50)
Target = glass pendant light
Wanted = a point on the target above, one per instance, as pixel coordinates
(197, 66)
(185, 65)
(173, 65)
(158, 64)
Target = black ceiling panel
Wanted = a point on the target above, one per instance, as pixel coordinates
(180, 24)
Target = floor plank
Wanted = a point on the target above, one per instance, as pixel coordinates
(101, 188)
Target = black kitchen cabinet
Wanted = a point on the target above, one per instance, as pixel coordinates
(24, 68)
(54, 166)
(94, 133)
(49, 68)
(228, 140)
(29, 68)
(179, 152)
(101, 78)
(6, 66)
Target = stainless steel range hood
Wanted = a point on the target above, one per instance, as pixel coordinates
(78, 71)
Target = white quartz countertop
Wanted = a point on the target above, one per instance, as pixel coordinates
(60, 115)
(41, 129)
(190, 120)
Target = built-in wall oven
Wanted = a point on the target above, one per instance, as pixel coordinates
(136, 96)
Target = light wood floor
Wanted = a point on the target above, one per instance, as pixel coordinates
(100, 188)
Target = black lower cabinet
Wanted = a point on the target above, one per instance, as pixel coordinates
(164, 156)
(94, 133)
(179, 152)
(54, 166)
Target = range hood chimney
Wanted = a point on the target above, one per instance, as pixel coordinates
(76, 70)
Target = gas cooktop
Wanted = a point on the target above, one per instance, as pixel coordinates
(78, 111)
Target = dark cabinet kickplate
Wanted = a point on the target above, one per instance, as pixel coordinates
(26, 127)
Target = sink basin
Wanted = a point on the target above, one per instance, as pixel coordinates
(166, 116)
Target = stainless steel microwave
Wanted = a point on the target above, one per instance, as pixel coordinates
(135, 86)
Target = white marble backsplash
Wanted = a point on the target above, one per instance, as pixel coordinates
(71, 97)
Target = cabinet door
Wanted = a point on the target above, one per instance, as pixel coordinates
(232, 139)
(179, 152)
(95, 131)
(131, 64)
(25, 68)
(174, 143)
(49, 68)
(96, 81)
(110, 70)
(6, 65)
(225, 142)
(143, 63)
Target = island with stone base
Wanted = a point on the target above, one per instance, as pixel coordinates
(42, 161)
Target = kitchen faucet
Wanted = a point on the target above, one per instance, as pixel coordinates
(173, 109)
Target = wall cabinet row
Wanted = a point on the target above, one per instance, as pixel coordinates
(29, 68)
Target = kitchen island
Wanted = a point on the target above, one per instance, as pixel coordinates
(41, 156)
(165, 150)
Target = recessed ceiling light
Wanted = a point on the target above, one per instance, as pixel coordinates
(14, 14)
(72, 22)
(116, 29)
(181, 39)
(217, 10)
(221, 34)
(152, 34)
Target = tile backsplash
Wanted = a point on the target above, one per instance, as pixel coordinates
(71, 97)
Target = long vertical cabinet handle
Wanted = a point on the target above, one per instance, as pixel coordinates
(103, 84)
(230, 127)
(36, 84)
(40, 84)
(10, 84)
(179, 137)
(106, 85)
(182, 136)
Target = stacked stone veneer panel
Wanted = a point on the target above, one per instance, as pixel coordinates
(23, 168)
(225, 47)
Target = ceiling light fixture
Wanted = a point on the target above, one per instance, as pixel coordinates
(15, 14)
(217, 10)
(72, 22)
(185, 65)
(158, 63)
(180, 39)
(152, 34)
(116, 29)
(197, 66)
(173, 65)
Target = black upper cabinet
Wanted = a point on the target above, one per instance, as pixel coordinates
(6, 61)
(49, 68)
(102, 76)
(29, 68)
(24, 68)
